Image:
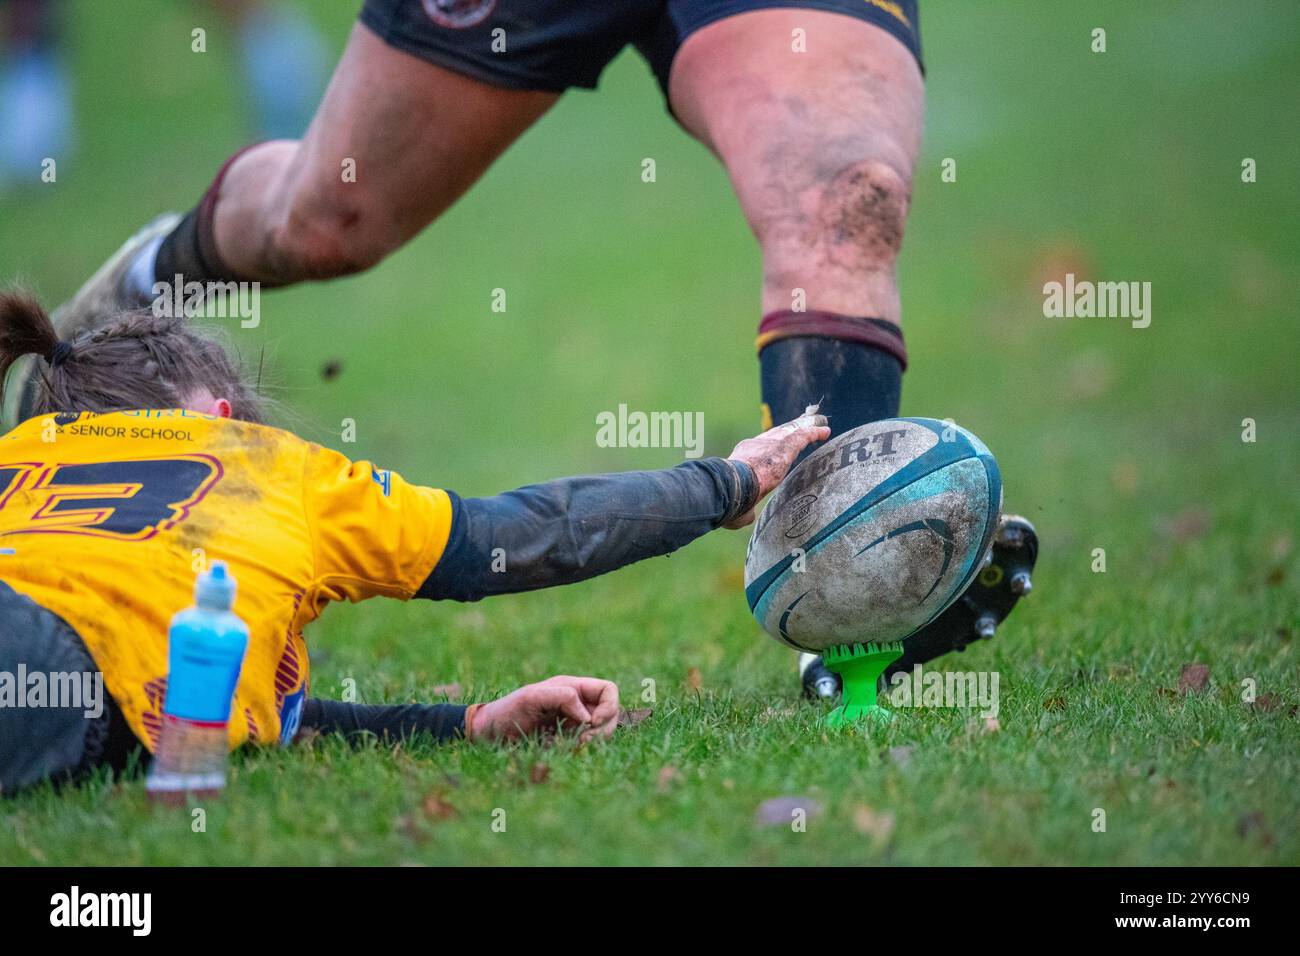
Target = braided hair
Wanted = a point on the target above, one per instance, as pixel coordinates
(134, 360)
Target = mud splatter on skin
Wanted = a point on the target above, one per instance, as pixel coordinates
(804, 175)
(829, 203)
(865, 208)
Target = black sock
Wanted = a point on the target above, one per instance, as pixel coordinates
(856, 383)
(182, 253)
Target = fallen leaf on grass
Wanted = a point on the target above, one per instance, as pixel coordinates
(1054, 260)
(1254, 825)
(780, 811)
(630, 718)
(1265, 702)
(1054, 703)
(406, 826)
(436, 807)
(539, 773)
(668, 776)
(1193, 678)
(694, 679)
(879, 825)
(1187, 524)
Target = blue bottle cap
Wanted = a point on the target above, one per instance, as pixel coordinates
(215, 588)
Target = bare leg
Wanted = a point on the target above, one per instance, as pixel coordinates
(417, 136)
(820, 147)
(394, 143)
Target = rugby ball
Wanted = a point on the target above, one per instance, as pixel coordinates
(873, 535)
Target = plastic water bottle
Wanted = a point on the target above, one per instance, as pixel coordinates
(205, 651)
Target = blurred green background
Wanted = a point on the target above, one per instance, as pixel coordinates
(1117, 166)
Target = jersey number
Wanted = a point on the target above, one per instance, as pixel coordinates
(120, 499)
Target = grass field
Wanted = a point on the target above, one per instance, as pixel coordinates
(1120, 166)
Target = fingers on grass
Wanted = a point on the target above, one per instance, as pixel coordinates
(591, 690)
(566, 701)
(605, 714)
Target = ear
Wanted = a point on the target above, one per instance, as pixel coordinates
(220, 408)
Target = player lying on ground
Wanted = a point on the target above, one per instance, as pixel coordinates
(815, 109)
(147, 451)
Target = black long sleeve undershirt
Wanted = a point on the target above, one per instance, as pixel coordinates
(554, 533)
(386, 721)
(572, 529)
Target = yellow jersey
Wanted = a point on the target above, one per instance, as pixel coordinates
(105, 520)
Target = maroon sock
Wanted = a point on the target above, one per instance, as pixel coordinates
(190, 250)
(852, 366)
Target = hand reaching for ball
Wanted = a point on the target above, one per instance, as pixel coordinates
(772, 453)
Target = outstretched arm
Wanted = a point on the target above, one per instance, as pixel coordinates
(576, 528)
(587, 706)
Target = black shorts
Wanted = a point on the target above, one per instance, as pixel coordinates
(57, 720)
(556, 44)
